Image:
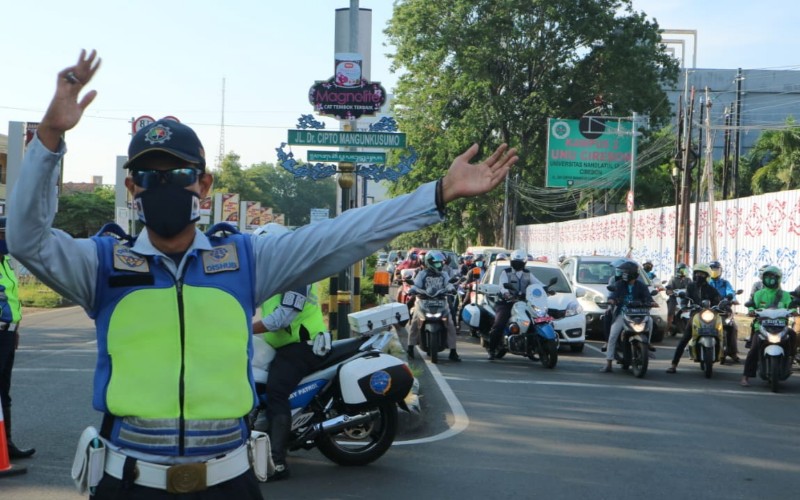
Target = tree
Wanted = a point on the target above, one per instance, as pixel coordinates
(231, 177)
(492, 71)
(775, 158)
(83, 214)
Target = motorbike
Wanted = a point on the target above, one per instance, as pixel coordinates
(707, 345)
(682, 312)
(433, 303)
(725, 310)
(404, 282)
(348, 407)
(631, 350)
(775, 363)
(529, 331)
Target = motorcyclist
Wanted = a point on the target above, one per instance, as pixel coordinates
(772, 297)
(648, 270)
(291, 322)
(411, 262)
(726, 291)
(680, 281)
(434, 275)
(626, 290)
(609, 313)
(468, 264)
(698, 290)
(519, 277)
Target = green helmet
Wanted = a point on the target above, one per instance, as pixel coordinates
(772, 276)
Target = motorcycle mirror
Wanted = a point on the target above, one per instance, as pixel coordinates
(551, 292)
(611, 288)
(739, 291)
(553, 281)
(653, 293)
(408, 281)
(705, 303)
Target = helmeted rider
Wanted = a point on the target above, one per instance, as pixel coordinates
(772, 297)
(648, 270)
(293, 324)
(468, 264)
(626, 290)
(519, 277)
(698, 290)
(434, 275)
(726, 291)
(680, 281)
(608, 315)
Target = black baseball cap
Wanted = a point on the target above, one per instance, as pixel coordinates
(170, 137)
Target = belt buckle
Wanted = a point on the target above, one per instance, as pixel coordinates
(186, 478)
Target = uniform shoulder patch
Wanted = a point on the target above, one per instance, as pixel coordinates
(126, 260)
(220, 259)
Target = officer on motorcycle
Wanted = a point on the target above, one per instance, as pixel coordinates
(293, 324)
(519, 277)
(698, 290)
(626, 290)
(773, 297)
(726, 291)
(434, 275)
(680, 281)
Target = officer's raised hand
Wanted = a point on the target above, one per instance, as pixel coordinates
(470, 179)
(65, 109)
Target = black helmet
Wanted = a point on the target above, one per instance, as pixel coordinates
(434, 261)
(628, 270)
(648, 265)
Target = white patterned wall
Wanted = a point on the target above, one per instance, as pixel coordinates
(750, 232)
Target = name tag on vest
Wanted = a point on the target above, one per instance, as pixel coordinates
(220, 259)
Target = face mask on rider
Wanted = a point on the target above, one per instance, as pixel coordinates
(770, 281)
(167, 209)
(700, 279)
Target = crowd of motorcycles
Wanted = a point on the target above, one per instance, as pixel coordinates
(530, 332)
(348, 408)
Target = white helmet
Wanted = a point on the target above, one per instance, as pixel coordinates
(272, 228)
(518, 258)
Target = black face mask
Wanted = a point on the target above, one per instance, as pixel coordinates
(167, 209)
(517, 265)
(699, 279)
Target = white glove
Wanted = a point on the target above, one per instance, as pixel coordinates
(322, 344)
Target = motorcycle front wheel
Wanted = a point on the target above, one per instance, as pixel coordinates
(433, 346)
(708, 361)
(774, 372)
(549, 354)
(639, 359)
(363, 443)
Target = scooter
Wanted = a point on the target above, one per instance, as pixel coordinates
(707, 345)
(404, 282)
(529, 331)
(348, 407)
(775, 363)
(433, 303)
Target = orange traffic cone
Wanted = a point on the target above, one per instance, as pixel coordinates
(6, 467)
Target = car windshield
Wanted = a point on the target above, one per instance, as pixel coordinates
(594, 273)
(543, 274)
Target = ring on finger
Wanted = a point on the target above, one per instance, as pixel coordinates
(71, 78)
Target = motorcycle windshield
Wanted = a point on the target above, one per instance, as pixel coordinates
(536, 296)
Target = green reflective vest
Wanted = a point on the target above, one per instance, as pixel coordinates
(310, 319)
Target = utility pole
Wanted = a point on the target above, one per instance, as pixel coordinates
(698, 182)
(726, 155)
(686, 184)
(676, 181)
(712, 216)
(635, 132)
(736, 152)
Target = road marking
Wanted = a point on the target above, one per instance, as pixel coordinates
(460, 418)
(681, 390)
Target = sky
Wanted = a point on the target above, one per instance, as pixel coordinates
(170, 58)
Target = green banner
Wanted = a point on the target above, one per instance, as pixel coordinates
(346, 156)
(591, 152)
(346, 139)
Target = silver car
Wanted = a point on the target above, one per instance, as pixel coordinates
(591, 273)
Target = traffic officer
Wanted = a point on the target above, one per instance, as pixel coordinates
(10, 315)
(173, 311)
(291, 322)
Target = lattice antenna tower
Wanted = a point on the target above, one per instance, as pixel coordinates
(222, 129)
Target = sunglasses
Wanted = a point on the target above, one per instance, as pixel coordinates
(181, 177)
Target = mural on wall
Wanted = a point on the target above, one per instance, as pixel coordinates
(750, 232)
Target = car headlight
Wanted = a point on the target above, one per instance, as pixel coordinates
(573, 308)
(707, 316)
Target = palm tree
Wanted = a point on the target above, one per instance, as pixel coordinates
(776, 154)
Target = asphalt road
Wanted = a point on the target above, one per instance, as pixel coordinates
(501, 429)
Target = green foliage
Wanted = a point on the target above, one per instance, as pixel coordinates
(275, 187)
(775, 160)
(32, 293)
(83, 214)
(493, 71)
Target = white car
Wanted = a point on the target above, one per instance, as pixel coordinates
(569, 318)
(591, 273)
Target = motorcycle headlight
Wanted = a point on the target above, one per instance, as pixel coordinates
(513, 328)
(433, 315)
(573, 309)
(774, 338)
(638, 327)
(707, 316)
